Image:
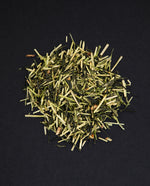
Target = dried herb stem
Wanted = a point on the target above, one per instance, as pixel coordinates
(76, 92)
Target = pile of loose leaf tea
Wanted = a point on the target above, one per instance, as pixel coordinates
(76, 92)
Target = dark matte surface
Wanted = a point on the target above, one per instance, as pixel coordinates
(27, 159)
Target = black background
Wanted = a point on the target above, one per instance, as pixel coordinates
(26, 156)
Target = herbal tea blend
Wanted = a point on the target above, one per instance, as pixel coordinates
(77, 92)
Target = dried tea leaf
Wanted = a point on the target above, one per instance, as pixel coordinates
(76, 92)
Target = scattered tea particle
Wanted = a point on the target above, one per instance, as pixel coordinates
(105, 48)
(59, 129)
(117, 63)
(66, 39)
(95, 52)
(101, 102)
(35, 116)
(77, 138)
(69, 78)
(83, 45)
(102, 139)
(83, 143)
(91, 136)
(89, 53)
(108, 139)
(45, 130)
(93, 107)
(80, 144)
(30, 55)
(48, 72)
